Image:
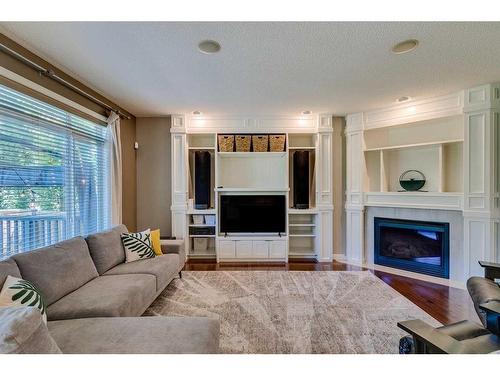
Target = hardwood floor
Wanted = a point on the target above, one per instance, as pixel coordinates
(445, 304)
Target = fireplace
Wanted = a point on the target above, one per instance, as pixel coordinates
(417, 246)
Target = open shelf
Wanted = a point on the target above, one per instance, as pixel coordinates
(201, 225)
(201, 141)
(441, 163)
(301, 141)
(202, 235)
(302, 225)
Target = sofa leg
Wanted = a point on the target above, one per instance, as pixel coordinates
(180, 274)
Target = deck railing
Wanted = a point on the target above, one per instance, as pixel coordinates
(22, 231)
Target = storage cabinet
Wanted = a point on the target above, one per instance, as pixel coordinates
(227, 249)
(277, 249)
(253, 249)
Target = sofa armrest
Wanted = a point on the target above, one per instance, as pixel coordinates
(427, 339)
(491, 270)
(172, 246)
(492, 310)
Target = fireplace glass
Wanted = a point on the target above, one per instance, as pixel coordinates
(413, 245)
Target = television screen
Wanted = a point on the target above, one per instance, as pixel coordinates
(253, 214)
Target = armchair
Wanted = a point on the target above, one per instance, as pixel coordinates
(465, 336)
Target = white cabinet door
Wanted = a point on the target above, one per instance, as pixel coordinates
(243, 249)
(226, 249)
(277, 249)
(260, 249)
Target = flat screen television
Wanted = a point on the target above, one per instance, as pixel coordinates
(253, 214)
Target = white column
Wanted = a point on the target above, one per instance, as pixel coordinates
(355, 168)
(324, 187)
(179, 177)
(481, 176)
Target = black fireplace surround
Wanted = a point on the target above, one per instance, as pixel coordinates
(417, 246)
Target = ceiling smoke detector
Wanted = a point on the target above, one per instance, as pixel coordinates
(196, 113)
(405, 46)
(209, 47)
(403, 99)
(306, 112)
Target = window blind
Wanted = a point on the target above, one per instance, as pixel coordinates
(53, 174)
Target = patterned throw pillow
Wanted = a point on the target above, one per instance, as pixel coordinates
(137, 246)
(19, 292)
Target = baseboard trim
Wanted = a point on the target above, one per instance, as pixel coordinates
(432, 279)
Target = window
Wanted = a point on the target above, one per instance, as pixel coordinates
(53, 174)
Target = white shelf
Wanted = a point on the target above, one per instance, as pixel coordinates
(251, 154)
(210, 211)
(202, 236)
(201, 148)
(423, 144)
(302, 235)
(309, 211)
(302, 148)
(271, 189)
(302, 225)
(202, 225)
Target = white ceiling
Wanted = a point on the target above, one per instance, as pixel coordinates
(265, 68)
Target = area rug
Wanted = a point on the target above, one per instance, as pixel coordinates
(294, 311)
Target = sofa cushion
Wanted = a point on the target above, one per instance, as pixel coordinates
(482, 290)
(165, 268)
(59, 269)
(23, 331)
(144, 335)
(19, 292)
(8, 267)
(106, 248)
(105, 296)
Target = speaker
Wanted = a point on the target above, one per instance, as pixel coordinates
(202, 169)
(301, 179)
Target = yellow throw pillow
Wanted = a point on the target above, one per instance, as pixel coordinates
(155, 241)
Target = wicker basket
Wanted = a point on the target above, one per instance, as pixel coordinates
(277, 143)
(243, 143)
(226, 143)
(260, 143)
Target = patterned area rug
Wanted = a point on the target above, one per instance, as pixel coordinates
(293, 312)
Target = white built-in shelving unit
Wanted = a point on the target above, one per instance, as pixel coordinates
(308, 231)
(453, 140)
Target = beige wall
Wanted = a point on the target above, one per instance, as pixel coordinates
(338, 157)
(129, 187)
(153, 174)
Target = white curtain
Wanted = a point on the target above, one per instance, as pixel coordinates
(115, 161)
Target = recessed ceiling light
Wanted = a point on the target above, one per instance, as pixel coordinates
(209, 46)
(405, 46)
(403, 99)
(196, 113)
(306, 112)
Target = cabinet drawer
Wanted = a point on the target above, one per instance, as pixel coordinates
(260, 249)
(243, 249)
(226, 249)
(277, 249)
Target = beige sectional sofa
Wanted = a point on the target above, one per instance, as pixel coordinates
(95, 300)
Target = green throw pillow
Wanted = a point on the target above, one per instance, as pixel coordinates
(137, 246)
(19, 292)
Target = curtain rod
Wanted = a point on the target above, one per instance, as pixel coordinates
(52, 75)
